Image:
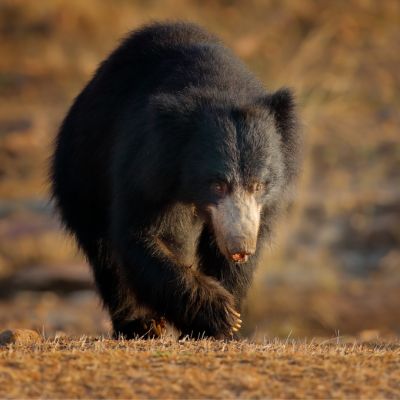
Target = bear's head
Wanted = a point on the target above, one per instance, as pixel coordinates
(237, 163)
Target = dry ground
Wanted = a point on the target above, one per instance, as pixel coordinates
(335, 264)
(101, 368)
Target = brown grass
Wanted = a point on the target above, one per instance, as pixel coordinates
(337, 267)
(102, 368)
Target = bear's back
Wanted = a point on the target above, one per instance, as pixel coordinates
(169, 35)
(170, 57)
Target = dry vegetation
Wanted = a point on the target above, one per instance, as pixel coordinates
(335, 264)
(101, 368)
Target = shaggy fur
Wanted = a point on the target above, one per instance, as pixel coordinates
(170, 112)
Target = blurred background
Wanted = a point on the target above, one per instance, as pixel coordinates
(334, 266)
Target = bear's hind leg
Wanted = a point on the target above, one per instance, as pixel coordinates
(140, 328)
(128, 320)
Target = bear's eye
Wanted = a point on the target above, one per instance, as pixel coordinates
(256, 187)
(219, 188)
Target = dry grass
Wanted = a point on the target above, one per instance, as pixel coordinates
(337, 267)
(102, 368)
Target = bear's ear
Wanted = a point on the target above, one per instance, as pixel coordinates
(283, 107)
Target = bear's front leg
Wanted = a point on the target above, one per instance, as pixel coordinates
(196, 304)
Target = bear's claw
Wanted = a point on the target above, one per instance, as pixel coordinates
(237, 322)
(158, 327)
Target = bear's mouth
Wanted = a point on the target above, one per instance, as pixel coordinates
(241, 257)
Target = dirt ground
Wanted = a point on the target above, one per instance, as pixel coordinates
(335, 262)
(100, 368)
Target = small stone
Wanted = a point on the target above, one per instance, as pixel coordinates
(19, 336)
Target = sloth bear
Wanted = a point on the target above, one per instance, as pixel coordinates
(169, 169)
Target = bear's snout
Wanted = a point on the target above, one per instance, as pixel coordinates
(236, 221)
